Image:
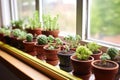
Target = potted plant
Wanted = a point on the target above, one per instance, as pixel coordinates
(50, 25)
(51, 51)
(64, 57)
(81, 62)
(42, 40)
(95, 48)
(21, 37)
(104, 69)
(29, 44)
(72, 41)
(17, 24)
(34, 25)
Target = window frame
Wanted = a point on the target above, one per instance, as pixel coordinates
(86, 28)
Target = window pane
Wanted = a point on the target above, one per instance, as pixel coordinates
(67, 13)
(25, 8)
(105, 20)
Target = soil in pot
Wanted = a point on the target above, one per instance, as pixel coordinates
(105, 72)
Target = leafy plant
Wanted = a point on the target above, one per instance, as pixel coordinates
(50, 23)
(51, 39)
(34, 22)
(2, 30)
(112, 52)
(16, 32)
(82, 53)
(22, 35)
(57, 44)
(7, 32)
(18, 24)
(73, 41)
(93, 46)
(103, 58)
(42, 39)
(29, 37)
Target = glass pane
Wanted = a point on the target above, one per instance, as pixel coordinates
(105, 20)
(26, 8)
(67, 13)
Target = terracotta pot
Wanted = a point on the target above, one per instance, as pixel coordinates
(51, 55)
(29, 47)
(54, 33)
(20, 44)
(81, 67)
(40, 51)
(1, 37)
(36, 31)
(97, 55)
(104, 73)
(65, 63)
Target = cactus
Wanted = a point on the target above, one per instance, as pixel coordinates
(29, 37)
(42, 39)
(112, 52)
(51, 39)
(16, 32)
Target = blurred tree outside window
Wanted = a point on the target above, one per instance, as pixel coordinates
(105, 20)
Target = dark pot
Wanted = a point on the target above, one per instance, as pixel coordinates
(81, 67)
(54, 33)
(7, 40)
(65, 63)
(104, 73)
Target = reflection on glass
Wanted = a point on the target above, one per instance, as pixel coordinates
(67, 13)
(105, 20)
(26, 8)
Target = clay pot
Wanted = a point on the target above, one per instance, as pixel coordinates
(81, 67)
(54, 33)
(65, 63)
(96, 56)
(36, 31)
(51, 56)
(104, 73)
(40, 51)
(29, 47)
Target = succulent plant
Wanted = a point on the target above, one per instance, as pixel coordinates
(22, 35)
(103, 58)
(51, 39)
(112, 52)
(73, 41)
(93, 46)
(18, 24)
(42, 39)
(16, 32)
(29, 37)
(82, 53)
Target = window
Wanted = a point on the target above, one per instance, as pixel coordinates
(25, 8)
(67, 13)
(104, 20)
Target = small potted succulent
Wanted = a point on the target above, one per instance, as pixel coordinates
(104, 69)
(34, 25)
(64, 57)
(21, 37)
(52, 50)
(95, 48)
(29, 44)
(72, 41)
(81, 62)
(42, 40)
(50, 25)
